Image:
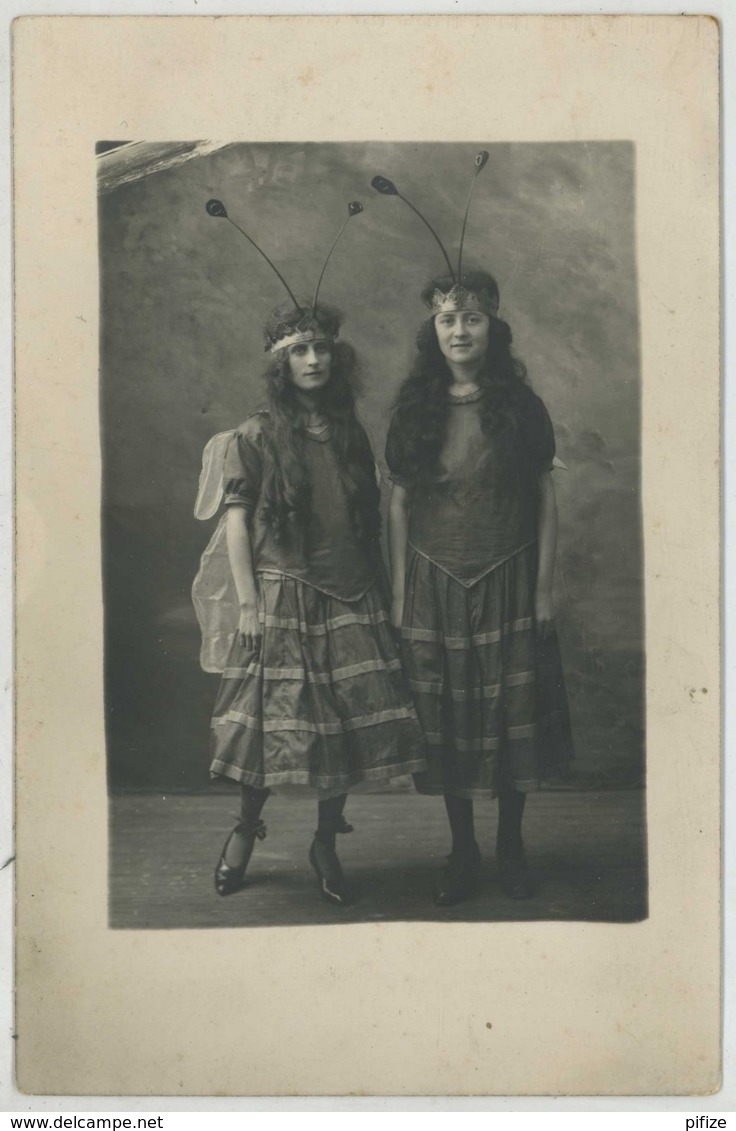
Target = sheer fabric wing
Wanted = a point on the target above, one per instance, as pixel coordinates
(209, 495)
(213, 592)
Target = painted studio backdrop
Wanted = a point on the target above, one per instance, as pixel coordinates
(183, 298)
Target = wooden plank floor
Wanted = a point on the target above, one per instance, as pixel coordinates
(586, 850)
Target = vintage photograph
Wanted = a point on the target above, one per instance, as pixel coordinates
(372, 532)
(368, 623)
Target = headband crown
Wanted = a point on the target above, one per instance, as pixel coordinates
(463, 298)
(320, 325)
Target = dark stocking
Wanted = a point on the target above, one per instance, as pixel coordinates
(330, 819)
(513, 873)
(459, 878)
(251, 803)
(460, 814)
(241, 843)
(322, 855)
(510, 812)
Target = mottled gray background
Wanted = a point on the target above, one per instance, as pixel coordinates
(182, 301)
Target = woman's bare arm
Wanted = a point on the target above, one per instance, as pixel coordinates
(547, 548)
(240, 553)
(399, 510)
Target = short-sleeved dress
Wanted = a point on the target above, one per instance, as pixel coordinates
(489, 694)
(324, 702)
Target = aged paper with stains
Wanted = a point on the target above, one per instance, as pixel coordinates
(532, 1008)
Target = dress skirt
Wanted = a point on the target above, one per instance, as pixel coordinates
(490, 696)
(323, 703)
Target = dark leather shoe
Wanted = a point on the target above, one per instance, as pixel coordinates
(229, 877)
(332, 885)
(459, 879)
(513, 875)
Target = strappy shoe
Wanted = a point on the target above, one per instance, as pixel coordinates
(459, 879)
(513, 874)
(324, 859)
(229, 877)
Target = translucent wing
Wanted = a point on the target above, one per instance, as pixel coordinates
(213, 592)
(216, 602)
(209, 495)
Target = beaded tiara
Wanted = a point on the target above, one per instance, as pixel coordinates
(304, 325)
(463, 298)
(459, 297)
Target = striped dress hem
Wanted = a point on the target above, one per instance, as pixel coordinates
(322, 703)
(328, 785)
(490, 694)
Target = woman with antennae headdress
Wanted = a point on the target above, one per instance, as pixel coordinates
(288, 596)
(472, 527)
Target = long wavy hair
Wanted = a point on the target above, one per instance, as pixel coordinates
(286, 502)
(419, 421)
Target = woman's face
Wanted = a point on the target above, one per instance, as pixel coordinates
(309, 365)
(462, 336)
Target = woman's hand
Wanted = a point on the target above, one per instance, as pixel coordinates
(397, 611)
(544, 613)
(249, 628)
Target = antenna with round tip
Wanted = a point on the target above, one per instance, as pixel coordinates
(217, 209)
(354, 209)
(388, 188)
(481, 159)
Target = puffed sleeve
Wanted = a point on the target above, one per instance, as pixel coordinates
(539, 435)
(242, 470)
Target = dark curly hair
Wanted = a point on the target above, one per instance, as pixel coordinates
(286, 503)
(419, 420)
